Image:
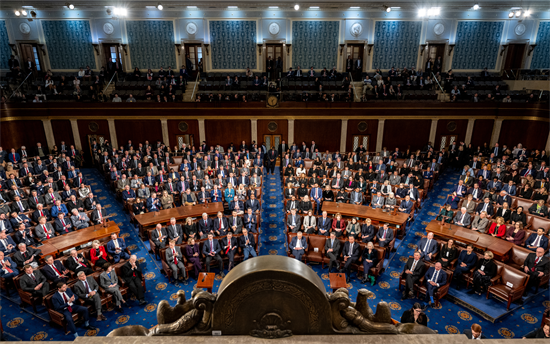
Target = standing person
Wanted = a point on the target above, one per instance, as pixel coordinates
(271, 159)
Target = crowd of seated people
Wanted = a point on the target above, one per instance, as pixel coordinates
(43, 194)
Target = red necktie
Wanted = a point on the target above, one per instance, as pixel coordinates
(27, 170)
(53, 267)
(100, 217)
(536, 262)
(82, 265)
(46, 231)
(36, 200)
(175, 256)
(67, 301)
(6, 267)
(63, 221)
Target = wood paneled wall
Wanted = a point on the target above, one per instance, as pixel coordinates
(282, 129)
(138, 131)
(174, 132)
(21, 133)
(325, 133)
(62, 131)
(404, 133)
(371, 131)
(528, 133)
(445, 127)
(84, 130)
(483, 128)
(224, 132)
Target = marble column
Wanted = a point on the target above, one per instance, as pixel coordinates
(290, 132)
(433, 130)
(50, 139)
(343, 135)
(165, 136)
(548, 144)
(380, 135)
(202, 132)
(469, 131)
(76, 134)
(254, 130)
(112, 131)
(496, 132)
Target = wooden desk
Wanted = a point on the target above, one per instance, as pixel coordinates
(337, 281)
(363, 211)
(64, 242)
(151, 219)
(208, 282)
(498, 246)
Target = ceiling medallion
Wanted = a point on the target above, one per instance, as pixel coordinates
(183, 126)
(356, 29)
(25, 28)
(274, 29)
(191, 28)
(439, 28)
(519, 29)
(272, 126)
(108, 28)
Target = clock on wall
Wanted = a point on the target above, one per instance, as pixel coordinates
(25, 28)
(108, 28)
(519, 29)
(272, 102)
(356, 29)
(191, 28)
(274, 29)
(439, 28)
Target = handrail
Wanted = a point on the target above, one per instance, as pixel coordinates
(438, 84)
(514, 74)
(353, 85)
(196, 83)
(18, 87)
(508, 76)
(106, 87)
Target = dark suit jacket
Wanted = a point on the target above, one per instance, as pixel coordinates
(389, 234)
(432, 248)
(418, 270)
(543, 265)
(126, 272)
(50, 273)
(73, 266)
(355, 251)
(441, 277)
(80, 289)
(206, 247)
(468, 334)
(335, 247)
(28, 284)
(225, 244)
(95, 216)
(242, 240)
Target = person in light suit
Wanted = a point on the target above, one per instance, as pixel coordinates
(211, 249)
(356, 197)
(434, 278)
(310, 223)
(377, 201)
(298, 246)
(462, 218)
(427, 246)
(108, 280)
(350, 254)
(87, 290)
(174, 259)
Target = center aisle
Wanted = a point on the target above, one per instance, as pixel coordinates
(273, 216)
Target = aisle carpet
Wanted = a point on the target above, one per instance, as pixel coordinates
(24, 324)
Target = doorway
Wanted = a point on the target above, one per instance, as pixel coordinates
(187, 139)
(272, 140)
(193, 55)
(30, 50)
(111, 51)
(436, 51)
(100, 139)
(361, 140)
(447, 140)
(275, 52)
(514, 56)
(355, 51)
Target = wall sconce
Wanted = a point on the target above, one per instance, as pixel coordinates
(503, 49)
(531, 48)
(423, 47)
(260, 46)
(288, 49)
(206, 47)
(342, 48)
(178, 48)
(370, 47)
(96, 48)
(43, 48)
(451, 47)
(13, 48)
(124, 47)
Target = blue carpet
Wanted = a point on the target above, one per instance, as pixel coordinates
(23, 324)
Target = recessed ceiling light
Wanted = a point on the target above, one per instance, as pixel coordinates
(191, 6)
(476, 7)
(23, 12)
(518, 13)
(273, 6)
(314, 7)
(354, 7)
(527, 13)
(17, 13)
(232, 7)
(70, 6)
(511, 14)
(160, 7)
(296, 7)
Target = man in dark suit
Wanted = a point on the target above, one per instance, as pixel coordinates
(117, 248)
(131, 273)
(486, 206)
(537, 266)
(8, 268)
(350, 253)
(7, 245)
(34, 282)
(427, 246)
(474, 332)
(77, 263)
(229, 247)
(435, 277)
(413, 271)
(98, 215)
(205, 226)
(87, 290)
(324, 224)
(35, 199)
(211, 249)
(248, 244)
(174, 231)
(62, 225)
(26, 255)
(537, 240)
(271, 158)
(384, 235)
(298, 246)
(159, 236)
(253, 204)
(55, 271)
(64, 302)
(332, 250)
(90, 202)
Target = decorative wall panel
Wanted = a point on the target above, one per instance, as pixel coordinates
(5, 50)
(541, 55)
(396, 44)
(69, 43)
(315, 43)
(151, 44)
(477, 44)
(233, 44)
